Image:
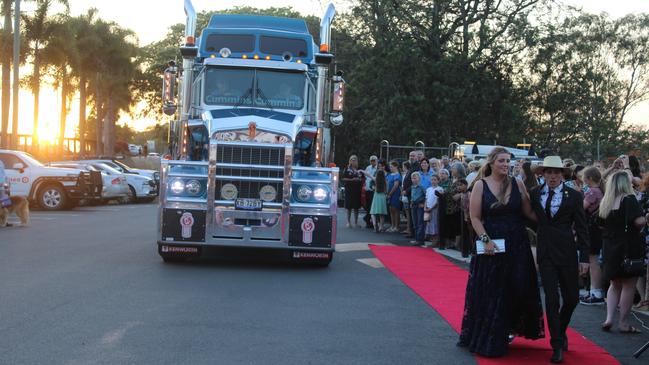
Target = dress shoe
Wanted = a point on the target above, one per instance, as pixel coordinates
(557, 356)
(565, 343)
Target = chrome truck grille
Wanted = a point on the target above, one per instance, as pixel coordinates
(249, 168)
(250, 155)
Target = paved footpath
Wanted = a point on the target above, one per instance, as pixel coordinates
(87, 287)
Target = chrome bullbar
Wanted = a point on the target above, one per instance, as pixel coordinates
(207, 192)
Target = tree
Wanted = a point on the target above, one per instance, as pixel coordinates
(38, 32)
(60, 54)
(581, 79)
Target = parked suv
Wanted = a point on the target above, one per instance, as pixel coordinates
(50, 187)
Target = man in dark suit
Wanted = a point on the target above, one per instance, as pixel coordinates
(559, 210)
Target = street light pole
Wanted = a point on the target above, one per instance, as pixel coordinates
(16, 78)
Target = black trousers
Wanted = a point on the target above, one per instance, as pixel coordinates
(564, 280)
(369, 195)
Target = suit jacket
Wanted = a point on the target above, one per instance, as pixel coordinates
(557, 244)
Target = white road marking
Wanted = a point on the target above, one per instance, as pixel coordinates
(371, 262)
(358, 246)
(457, 255)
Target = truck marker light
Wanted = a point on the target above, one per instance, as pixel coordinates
(267, 58)
(256, 57)
(308, 226)
(225, 52)
(212, 56)
(189, 40)
(245, 56)
(324, 48)
(299, 61)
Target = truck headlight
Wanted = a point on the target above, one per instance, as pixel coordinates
(320, 194)
(193, 187)
(177, 186)
(304, 193)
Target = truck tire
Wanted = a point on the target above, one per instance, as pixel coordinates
(52, 197)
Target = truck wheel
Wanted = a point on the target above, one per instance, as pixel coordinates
(52, 197)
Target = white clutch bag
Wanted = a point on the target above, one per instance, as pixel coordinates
(499, 243)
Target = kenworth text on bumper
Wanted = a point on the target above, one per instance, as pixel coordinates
(251, 141)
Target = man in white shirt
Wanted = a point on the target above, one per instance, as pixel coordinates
(370, 173)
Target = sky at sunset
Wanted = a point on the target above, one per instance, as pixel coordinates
(150, 19)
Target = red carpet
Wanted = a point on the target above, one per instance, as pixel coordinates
(442, 285)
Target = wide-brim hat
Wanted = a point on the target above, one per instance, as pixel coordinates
(553, 162)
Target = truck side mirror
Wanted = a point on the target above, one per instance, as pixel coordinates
(169, 89)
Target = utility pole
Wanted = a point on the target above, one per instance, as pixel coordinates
(16, 79)
(6, 70)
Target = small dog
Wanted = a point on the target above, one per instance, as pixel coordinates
(20, 207)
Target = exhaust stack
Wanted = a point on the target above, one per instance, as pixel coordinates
(323, 82)
(190, 24)
(325, 26)
(188, 51)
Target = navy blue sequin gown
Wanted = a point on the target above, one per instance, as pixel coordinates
(502, 296)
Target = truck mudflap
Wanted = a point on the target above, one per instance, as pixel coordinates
(310, 230)
(183, 225)
(89, 186)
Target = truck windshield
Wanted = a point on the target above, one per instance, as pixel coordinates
(255, 88)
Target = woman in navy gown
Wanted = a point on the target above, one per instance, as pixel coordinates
(502, 296)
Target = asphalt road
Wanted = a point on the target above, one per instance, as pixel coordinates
(87, 287)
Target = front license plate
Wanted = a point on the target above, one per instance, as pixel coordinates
(248, 204)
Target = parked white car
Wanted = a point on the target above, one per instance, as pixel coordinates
(115, 186)
(143, 188)
(122, 167)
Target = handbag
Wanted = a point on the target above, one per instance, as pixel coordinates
(499, 244)
(631, 267)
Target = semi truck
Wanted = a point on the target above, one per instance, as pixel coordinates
(248, 168)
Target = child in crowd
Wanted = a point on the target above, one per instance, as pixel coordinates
(592, 178)
(379, 207)
(432, 208)
(394, 194)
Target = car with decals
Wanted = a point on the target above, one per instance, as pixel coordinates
(52, 188)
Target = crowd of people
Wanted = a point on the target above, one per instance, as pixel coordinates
(569, 225)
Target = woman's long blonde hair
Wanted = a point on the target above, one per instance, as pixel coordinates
(617, 185)
(485, 171)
